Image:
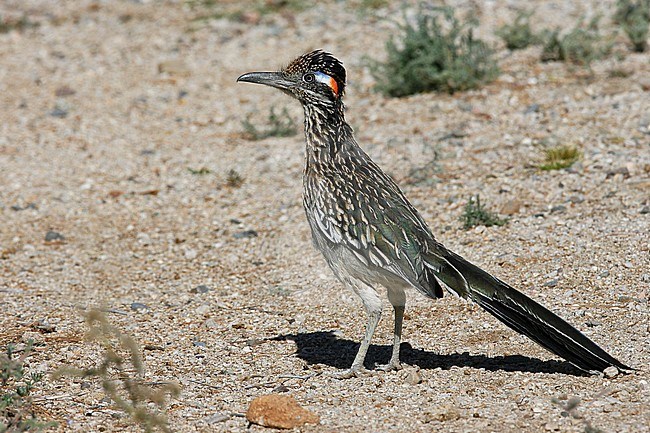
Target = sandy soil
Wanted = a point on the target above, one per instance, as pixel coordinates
(110, 108)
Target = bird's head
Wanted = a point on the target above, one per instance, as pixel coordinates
(313, 78)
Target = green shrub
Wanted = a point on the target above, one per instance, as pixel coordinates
(519, 35)
(580, 46)
(431, 55)
(281, 125)
(19, 24)
(634, 18)
(16, 408)
(475, 214)
(559, 157)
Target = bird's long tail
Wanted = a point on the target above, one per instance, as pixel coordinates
(524, 315)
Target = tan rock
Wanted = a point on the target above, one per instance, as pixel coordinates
(444, 413)
(511, 207)
(413, 377)
(279, 411)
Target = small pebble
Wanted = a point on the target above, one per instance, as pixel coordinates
(558, 209)
(64, 91)
(44, 327)
(52, 236)
(645, 210)
(18, 208)
(245, 234)
(551, 426)
(36, 338)
(551, 283)
(203, 309)
(620, 170)
(137, 306)
(413, 377)
(611, 372)
(217, 418)
(143, 238)
(200, 289)
(211, 324)
(532, 108)
(59, 113)
(280, 388)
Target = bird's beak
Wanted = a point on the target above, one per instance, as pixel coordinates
(273, 79)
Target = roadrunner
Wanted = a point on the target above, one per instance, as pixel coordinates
(372, 236)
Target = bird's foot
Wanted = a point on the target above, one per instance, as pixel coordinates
(393, 365)
(351, 372)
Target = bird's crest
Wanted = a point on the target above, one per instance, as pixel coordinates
(327, 68)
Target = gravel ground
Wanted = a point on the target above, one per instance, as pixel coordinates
(112, 109)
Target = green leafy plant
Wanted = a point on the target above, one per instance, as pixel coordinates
(436, 53)
(634, 18)
(199, 172)
(281, 125)
(19, 24)
(373, 4)
(581, 46)
(16, 406)
(475, 214)
(234, 179)
(559, 157)
(121, 373)
(519, 34)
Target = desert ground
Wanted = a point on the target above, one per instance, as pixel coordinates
(129, 185)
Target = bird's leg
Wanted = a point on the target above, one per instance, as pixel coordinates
(394, 363)
(357, 369)
(373, 307)
(397, 298)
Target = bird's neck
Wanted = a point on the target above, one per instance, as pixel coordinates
(326, 131)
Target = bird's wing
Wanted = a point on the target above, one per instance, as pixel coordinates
(384, 230)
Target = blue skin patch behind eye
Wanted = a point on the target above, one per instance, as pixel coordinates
(322, 78)
(328, 81)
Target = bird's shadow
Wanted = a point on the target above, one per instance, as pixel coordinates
(326, 348)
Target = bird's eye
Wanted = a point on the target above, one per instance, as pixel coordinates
(309, 78)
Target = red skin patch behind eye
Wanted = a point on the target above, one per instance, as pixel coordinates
(329, 81)
(334, 86)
